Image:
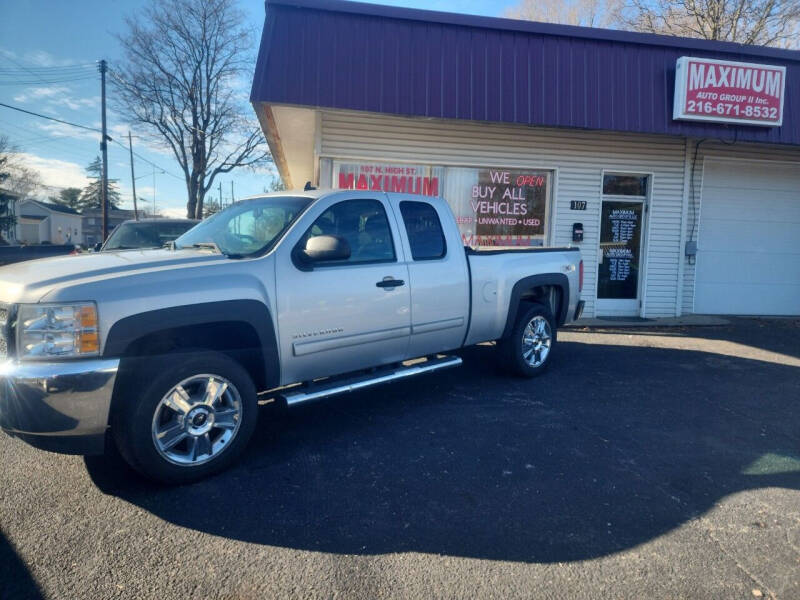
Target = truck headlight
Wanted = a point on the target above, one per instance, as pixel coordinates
(57, 330)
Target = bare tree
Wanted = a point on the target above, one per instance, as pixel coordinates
(15, 175)
(587, 13)
(185, 61)
(761, 22)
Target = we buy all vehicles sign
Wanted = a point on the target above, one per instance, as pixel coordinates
(729, 92)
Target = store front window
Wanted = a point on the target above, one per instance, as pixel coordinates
(493, 206)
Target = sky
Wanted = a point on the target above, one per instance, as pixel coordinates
(69, 38)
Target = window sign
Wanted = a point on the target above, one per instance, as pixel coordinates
(499, 207)
(620, 244)
(492, 206)
(408, 179)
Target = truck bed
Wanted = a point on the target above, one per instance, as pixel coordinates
(494, 273)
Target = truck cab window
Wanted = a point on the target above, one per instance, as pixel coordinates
(424, 229)
(363, 223)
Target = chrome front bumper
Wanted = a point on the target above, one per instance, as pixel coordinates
(58, 406)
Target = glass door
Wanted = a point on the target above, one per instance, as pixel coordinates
(619, 273)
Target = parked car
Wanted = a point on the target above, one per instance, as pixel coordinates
(162, 352)
(145, 233)
(23, 252)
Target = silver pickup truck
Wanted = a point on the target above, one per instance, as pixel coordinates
(297, 295)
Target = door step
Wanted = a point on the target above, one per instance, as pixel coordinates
(315, 391)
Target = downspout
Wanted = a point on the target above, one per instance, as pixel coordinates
(687, 173)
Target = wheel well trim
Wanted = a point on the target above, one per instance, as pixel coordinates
(557, 280)
(130, 329)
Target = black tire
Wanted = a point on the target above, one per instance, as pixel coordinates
(133, 420)
(510, 349)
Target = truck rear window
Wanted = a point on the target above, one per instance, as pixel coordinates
(424, 230)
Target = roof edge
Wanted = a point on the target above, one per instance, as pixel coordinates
(522, 26)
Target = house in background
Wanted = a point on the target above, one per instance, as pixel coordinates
(93, 223)
(42, 222)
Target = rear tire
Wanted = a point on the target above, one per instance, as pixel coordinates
(528, 349)
(193, 417)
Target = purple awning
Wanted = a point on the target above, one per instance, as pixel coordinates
(354, 56)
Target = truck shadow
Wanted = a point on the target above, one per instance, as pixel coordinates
(16, 581)
(615, 446)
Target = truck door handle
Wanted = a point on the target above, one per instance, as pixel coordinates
(390, 283)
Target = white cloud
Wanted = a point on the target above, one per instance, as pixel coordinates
(68, 131)
(54, 172)
(76, 103)
(40, 58)
(38, 93)
(56, 95)
(174, 212)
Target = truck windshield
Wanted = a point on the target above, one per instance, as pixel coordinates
(247, 227)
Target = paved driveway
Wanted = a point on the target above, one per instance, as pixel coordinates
(646, 463)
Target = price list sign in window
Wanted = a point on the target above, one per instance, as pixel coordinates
(620, 243)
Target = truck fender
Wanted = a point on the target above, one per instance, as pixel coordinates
(558, 280)
(252, 312)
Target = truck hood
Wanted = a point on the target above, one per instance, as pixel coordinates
(31, 281)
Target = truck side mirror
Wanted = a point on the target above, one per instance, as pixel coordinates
(97, 246)
(325, 248)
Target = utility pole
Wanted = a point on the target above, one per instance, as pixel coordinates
(232, 200)
(133, 179)
(104, 149)
(155, 212)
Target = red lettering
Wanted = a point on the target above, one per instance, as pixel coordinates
(398, 184)
(362, 182)
(430, 186)
(346, 181)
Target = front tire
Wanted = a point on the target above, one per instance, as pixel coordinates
(528, 349)
(192, 419)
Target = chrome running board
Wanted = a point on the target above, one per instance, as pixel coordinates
(342, 386)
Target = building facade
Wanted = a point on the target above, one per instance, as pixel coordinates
(674, 164)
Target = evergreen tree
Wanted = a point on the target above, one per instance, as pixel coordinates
(70, 197)
(7, 218)
(91, 197)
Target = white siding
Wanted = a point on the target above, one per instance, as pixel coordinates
(750, 153)
(578, 157)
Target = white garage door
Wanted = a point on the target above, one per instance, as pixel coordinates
(748, 259)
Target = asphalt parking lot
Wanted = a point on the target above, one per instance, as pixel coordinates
(646, 463)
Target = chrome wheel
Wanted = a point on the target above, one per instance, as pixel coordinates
(537, 338)
(197, 419)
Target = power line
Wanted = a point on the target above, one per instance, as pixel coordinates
(41, 116)
(41, 81)
(149, 162)
(92, 129)
(47, 70)
(31, 71)
(62, 138)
